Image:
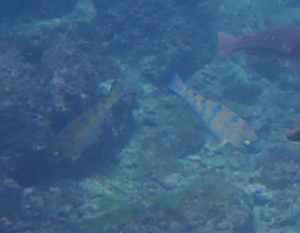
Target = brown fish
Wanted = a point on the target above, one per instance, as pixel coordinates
(282, 42)
(294, 133)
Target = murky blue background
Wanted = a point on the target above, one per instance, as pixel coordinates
(150, 166)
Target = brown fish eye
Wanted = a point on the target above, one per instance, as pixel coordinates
(246, 142)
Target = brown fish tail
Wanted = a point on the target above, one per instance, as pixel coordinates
(227, 43)
(294, 133)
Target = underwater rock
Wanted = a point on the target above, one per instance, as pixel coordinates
(10, 184)
(242, 93)
(171, 181)
(269, 69)
(268, 214)
(258, 192)
(128, 158)
(195, 157)
(282, 231)
(10, 199)
(224, 225)
(217, 161)
(280, 175)
(32, 52)
(234, 163)
(44, 9)
(292, 3)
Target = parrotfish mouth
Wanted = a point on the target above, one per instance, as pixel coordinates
(255, 147)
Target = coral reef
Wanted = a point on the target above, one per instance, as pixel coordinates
(151, 168)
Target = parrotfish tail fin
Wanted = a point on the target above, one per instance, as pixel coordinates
(227, 43)
(177, 85)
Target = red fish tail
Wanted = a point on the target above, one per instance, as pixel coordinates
(294, 133)
(227, 43)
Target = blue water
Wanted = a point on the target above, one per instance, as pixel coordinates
(154, 166)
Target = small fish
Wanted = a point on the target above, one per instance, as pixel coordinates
(294, 133)
(84, 130)
(223, 123)
(282, 42)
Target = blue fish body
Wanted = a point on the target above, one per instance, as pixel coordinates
(223, 123)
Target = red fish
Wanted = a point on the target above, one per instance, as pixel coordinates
(282, 42)
(294, 133)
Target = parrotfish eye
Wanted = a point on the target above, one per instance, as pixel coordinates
(246, 142)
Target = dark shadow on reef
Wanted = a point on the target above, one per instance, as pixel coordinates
(42, 169)
(31, 9)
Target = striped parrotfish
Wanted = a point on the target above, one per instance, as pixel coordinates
(84, 130)
(225, 125)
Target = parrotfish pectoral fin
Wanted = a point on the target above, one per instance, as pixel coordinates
(177, 85)
(218, 144)
(227, 43)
